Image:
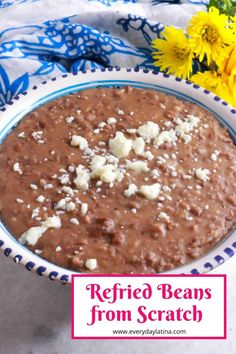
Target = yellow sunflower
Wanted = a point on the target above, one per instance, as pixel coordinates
(229, 72)
(210, 35)
(173, 54)
(216, 83)
(232, 26)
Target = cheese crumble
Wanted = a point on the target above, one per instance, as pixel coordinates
(131, 190)
(79, 141)
(202, 174)
(138, 166)
(32, 235)
(16, 168)
(120, 146)
(148, 131)
(91, 264)
(151, 192)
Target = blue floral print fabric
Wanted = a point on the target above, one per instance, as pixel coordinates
(40, 39)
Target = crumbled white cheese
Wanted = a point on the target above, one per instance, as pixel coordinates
(119, 111)
(166, 136)
(148, 155)
(82, 178)
(60, 212)
(40, 199)
(120, 146)
(79, 141)
(48, 186)
(131, 190)
(189, 217)
(102, 125)
(69, 120)
(58, 249)
(161, 198)
(202, 174)
(84, 209)
(19, 201)
(166, 189)
(74, 221)
(133, 210)
(164, 216)
(32, 235)
(65, 204)
(96, 131)
(174, 156)
(161, 160)
(186, 138)
(16, 168)
(38, 136)
(112, 159)
(148, 131)
(214, 155)
(91, 264)
(71, 169)
(107, 173)
(186, 126)
(187, 177)
(21, 135)
(138, 166)
(33, 186)
(111, 120)
(35, 213)
(155, 173)
(138, 146)
(150, 192)
(67, 190)
(64, 179)
(101, 143)
(53, 222)
(131, 130)
(97, 162)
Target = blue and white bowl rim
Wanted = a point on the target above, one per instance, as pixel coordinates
(22, 104)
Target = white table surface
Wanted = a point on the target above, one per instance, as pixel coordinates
(35, 319)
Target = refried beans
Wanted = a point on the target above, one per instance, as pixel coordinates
(118, 180)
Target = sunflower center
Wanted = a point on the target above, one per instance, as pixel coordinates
(181, 53)
(210, 34)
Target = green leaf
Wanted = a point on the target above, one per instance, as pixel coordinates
(227, 7)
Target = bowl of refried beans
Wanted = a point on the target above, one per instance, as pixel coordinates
(117, 171)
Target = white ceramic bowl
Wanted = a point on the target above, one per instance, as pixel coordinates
(16, 109)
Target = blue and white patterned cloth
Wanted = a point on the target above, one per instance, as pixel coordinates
(40, 39)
